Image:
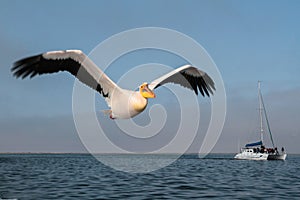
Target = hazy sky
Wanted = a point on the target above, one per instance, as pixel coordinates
(248, 40)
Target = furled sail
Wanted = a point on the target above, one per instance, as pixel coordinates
(254, 144)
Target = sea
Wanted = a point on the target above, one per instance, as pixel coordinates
(82, 176)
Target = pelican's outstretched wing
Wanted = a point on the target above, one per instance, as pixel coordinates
(189, 77)
(73, 61)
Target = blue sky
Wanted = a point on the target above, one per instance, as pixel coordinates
(248, 40)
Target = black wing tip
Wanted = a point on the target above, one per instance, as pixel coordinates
(208, 85)
(23, 67)
(203, 83)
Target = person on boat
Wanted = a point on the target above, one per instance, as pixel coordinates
(262, 149)
(273, 150)
(282, 149)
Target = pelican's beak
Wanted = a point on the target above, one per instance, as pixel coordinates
(147, 93)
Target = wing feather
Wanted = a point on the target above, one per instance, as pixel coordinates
(73, 61)
(189, 77)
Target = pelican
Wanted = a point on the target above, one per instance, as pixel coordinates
(124, 104)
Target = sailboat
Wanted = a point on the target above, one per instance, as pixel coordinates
(257, 150)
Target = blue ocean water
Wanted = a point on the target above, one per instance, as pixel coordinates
(81, 176)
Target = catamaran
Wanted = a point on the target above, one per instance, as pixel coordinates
(257, 150)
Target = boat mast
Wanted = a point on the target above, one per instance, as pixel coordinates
(260, 113)
(266, 118)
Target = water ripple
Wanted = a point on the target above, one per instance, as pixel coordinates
(81, 176)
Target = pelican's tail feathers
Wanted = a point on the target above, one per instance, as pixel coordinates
(106, 112)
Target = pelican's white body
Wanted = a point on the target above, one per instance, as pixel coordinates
(126, 103)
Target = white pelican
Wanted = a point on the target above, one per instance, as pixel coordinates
(123, 103)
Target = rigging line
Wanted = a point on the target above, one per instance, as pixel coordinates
(268, 125)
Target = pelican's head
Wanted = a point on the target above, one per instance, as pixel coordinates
(146, 92)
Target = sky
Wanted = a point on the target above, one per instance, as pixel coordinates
(248, 41)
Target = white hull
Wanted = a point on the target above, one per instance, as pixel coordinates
(251, 156)
(277, 156)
